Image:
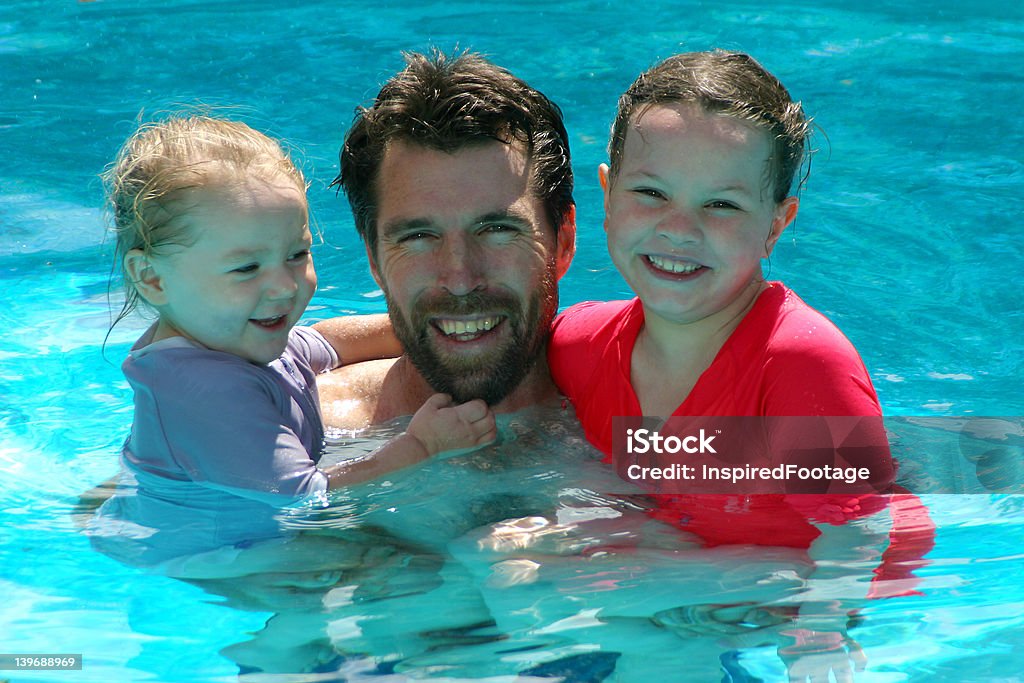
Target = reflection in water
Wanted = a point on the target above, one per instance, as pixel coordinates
(959, 454)
(531, 558)
(520, 558)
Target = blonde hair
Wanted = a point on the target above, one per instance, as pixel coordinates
(164, 158)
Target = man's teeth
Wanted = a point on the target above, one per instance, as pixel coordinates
(673, 266)
(450, 327)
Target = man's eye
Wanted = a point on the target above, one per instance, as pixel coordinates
(499, 228)
(413, 237)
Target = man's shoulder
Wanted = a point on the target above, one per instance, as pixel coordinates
(358, 395)
(349, 394)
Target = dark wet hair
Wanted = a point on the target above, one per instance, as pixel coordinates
(447, 103)
(721, 82)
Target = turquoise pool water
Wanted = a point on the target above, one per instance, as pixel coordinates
(909, 238)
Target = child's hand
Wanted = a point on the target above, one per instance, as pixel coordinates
(440, 425)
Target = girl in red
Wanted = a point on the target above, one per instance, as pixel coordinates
(704, 151)
(703, 154)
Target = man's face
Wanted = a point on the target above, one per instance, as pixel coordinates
(468, 263)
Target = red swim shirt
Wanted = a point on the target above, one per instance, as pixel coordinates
(783, 359)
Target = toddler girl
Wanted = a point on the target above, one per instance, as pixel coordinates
(213, 235)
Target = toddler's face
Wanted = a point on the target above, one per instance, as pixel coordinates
(690, 215)
(247, 276)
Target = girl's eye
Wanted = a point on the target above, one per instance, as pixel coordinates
(649, 192)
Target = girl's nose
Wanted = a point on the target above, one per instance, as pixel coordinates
(680, 226)
(281, 284)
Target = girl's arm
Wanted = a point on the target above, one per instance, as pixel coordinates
(357, 338)
(438, 426)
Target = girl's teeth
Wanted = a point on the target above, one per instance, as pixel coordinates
(453, 327)
(673, 266)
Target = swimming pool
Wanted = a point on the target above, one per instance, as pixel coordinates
(909, 238)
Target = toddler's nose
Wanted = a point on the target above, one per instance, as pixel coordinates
(282, 285)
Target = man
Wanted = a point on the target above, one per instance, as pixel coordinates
(460, 183)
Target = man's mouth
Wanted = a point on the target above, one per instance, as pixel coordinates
(673, 266)
(275, 323)
(467, 329)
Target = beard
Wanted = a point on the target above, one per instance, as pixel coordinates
(489, 376)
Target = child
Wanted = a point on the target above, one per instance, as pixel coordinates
(213, 235)
(703, 152)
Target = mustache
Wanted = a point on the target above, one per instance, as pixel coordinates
(441, 304)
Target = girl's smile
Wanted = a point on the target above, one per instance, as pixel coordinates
(670, 266)
(245, 277)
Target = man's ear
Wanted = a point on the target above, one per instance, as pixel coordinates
(373, 266)
(785, 212)
(140, 272)
(565, 246)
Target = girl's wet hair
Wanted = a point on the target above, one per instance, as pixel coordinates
(721, 82)
(161, 161)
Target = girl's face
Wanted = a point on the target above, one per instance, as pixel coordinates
(689, 215)
(245, 277)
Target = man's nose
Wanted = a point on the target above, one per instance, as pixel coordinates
(461, 265)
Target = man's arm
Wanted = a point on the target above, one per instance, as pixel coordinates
(357, 338)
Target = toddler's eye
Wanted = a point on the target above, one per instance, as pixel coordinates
(248, 268)
(300, 255)
(649, 192)
(722, 204)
